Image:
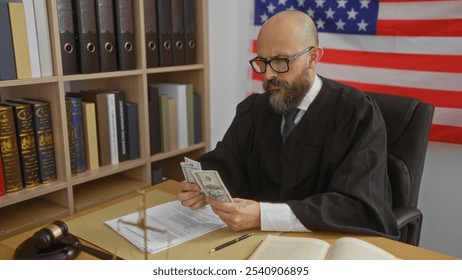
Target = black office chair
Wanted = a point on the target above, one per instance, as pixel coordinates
(408, 122)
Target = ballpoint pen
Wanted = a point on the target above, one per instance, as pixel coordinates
(231, 242)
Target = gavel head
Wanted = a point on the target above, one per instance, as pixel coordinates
(48, 236)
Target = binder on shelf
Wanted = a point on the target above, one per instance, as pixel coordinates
(67, 35)
(7, 63)
(190, 31)
(43, 38)
(106, 35)
(164, 15)
(178, 35)
(87, 36)
(20, 41)
(190, 113)
(125, 34)
(31, 29)
(133, 130)
(151, 34)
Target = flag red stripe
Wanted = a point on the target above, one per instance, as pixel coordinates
(400, 1)
(444, 133)
(419, 62)
(439, 98)
(429, 28)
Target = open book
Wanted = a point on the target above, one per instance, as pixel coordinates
(275, 247)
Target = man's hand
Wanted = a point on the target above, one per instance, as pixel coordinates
(238, 215)
(190, 195)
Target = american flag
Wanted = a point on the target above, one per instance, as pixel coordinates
(411, 48)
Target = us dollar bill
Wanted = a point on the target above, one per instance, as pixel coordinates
(211, 185)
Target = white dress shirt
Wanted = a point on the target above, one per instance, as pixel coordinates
(279, 216)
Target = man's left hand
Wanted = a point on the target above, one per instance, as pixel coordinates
(239, 215)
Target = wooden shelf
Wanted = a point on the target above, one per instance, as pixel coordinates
(38, 206)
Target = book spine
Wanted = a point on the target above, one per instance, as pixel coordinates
(45, 142)
(133, 130)
(27, 145)
(71, 137)
(2, 179)
(91, 135)
(114, 147)
(20, 41)
(7, 65)
(9, 150)
(76, 135)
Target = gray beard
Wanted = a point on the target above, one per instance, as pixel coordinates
(288, 96)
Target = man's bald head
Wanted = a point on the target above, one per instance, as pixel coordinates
(294, 24)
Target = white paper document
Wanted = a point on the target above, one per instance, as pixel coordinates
(178, 223)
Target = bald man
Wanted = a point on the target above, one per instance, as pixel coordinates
(329, 173)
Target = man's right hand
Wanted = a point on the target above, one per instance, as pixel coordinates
(190, 195)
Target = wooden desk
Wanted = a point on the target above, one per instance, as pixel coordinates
(400, 250)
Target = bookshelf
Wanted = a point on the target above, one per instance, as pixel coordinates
(33, 207)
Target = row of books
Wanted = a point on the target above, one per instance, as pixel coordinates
(174, 116)
(170, 27)
(25, 50)
(102, 127)
(27, 145)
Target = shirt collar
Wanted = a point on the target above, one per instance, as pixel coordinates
(311, 95)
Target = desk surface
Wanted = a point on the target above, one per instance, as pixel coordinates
(187, 250)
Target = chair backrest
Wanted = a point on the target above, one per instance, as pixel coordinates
(408, 122)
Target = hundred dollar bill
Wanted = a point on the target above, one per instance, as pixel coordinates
(187, 167)
(211, 185)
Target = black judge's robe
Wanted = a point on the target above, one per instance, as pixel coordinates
(331, 171)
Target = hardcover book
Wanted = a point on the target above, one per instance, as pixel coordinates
(133, 130)
(26, 143)
(76, 135)
(91, 135)
(9, 150)
(43, 128)
(276, 247)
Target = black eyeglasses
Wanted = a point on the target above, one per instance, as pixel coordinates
(278, 64)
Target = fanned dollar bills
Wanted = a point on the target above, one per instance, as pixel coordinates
(208, 180)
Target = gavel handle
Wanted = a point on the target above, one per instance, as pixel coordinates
(73, 241)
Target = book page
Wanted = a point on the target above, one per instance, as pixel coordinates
(276, 247)
(348, 248)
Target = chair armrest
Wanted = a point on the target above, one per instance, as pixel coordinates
(404, 215)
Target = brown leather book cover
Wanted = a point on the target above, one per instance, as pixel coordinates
(26, 143)
(9, 150)
(87, 36)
